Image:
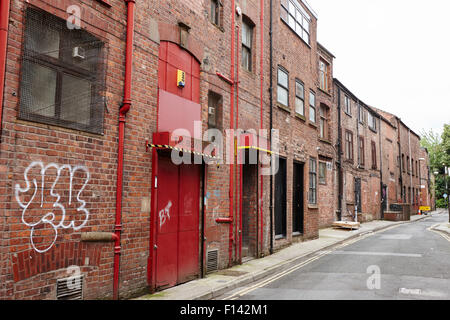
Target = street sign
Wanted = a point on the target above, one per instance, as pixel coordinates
(425, 208)
(445, 196)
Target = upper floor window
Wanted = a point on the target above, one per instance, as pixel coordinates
(214, 14)
(299, 98)
(247, 40)
(62, 74)
(283, 87)
(297, 18)
(324, 128)
(322, 173)
(347, 106)
(349, 145)
(372, 122)
(374, 155)
(361, 114)
(361, 152)
(312, 106)
(324, 75)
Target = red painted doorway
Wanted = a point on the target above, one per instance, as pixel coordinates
(177, 223)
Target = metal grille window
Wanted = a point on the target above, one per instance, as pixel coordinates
(296, 17)
(247, 40)
(312, 181)
(312, 106)
(62, 74)
(299, 98)
(283, 87)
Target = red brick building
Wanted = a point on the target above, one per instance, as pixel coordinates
(359, 140)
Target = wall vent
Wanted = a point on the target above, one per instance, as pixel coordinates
(212, 261)
(70, 288)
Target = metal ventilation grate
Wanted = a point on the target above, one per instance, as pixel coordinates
(212, 261)
(69, 288)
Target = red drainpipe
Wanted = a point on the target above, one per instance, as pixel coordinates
(4, 22)
(126, 104)
(238, 250)
(261, 101)
(231, 189)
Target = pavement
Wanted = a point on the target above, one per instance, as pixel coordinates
(216, 284)
(443, 228)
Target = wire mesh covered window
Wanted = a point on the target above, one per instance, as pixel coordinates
(62, 74)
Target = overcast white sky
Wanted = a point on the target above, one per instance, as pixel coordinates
(392, 54)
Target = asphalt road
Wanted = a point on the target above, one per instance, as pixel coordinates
(405, 262)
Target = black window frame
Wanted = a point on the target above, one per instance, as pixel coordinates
(312, 94)
(245, 47)
(312, 194)
(300, 97)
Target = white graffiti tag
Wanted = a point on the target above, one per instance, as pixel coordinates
(49, 218)
(164, 214)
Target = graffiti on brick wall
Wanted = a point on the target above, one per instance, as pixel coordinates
(164, 214)
(42, 204)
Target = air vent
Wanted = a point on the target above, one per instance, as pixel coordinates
(212, 261)
(69, 288)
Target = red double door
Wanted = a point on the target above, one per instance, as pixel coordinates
(177, 223)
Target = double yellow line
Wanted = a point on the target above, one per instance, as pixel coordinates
(442, 234)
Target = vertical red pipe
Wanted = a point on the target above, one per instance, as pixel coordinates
(238, 226)
(122, 118)
(4, 22)
(261, 101)
(231, 189)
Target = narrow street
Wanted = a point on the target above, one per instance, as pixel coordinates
(412, 262)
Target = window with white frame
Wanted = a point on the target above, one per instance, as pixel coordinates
(299, 98)
(297, 18)
(283, 87)
(312, 106)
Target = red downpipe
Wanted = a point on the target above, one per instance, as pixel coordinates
(122, 118)
(238, 250)
(261, 101)
(231, 189)
(4, 22)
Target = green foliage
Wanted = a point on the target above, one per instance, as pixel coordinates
(441, 203)
(439, 151)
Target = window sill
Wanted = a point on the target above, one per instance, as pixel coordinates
(325, 141)
(313, 206)
(283, 107)
(280, 237)
(373, 130)
(297, 234)
(348, 114)
(325, 92)
(218, 27)
(312, 124)
(299, 116)
(105, 2)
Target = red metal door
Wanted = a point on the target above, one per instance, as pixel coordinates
(166, 224)
(189, 206)
(177, 223)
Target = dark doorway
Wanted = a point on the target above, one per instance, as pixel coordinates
(249, 209)
(358, 194)
(280, 200)
(297, 201)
